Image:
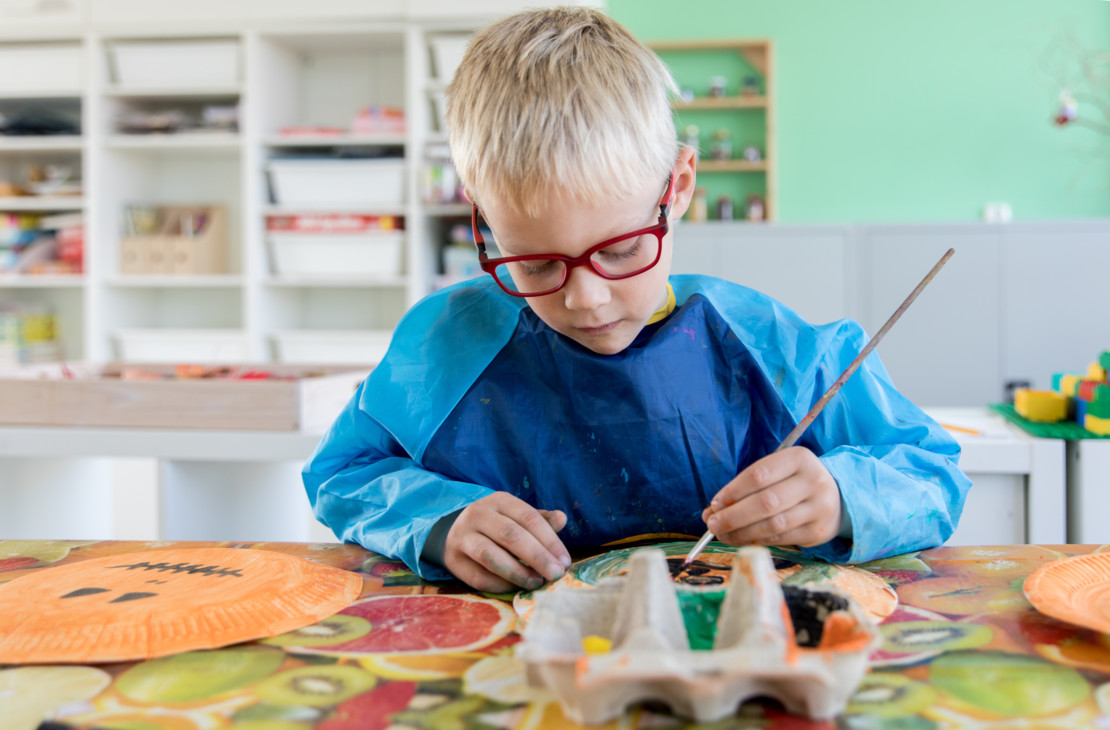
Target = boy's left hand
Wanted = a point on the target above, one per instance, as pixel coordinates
(786, 498)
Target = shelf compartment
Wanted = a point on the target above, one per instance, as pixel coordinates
(182, 345)
(332, 347)
(724, 102)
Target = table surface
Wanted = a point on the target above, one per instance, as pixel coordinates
(982, 657)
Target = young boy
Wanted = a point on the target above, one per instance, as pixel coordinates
(578, 396)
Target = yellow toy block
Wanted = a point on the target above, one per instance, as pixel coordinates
(1094, 424)
(1043, 406)
(1096, 372)
(1069, 385)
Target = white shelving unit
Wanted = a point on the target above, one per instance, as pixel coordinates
(299, 65)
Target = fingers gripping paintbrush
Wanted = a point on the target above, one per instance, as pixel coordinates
(797, 431)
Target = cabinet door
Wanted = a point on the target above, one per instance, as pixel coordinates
(1055, 300)
(945, 350)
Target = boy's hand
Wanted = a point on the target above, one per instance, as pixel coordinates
(786, 498)
(500, 543)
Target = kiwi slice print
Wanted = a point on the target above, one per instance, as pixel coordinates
(890, 695)
(332, 630)
(933, 636)
(315, 686)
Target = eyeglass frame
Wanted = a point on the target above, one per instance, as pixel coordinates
(659, 229)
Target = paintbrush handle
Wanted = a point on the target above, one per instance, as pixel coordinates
(797, 431)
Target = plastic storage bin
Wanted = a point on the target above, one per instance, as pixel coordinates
(336, 254)
(339, 347)
(330, 183)
(176, 64)
(180, 345)
(447, 53)
(40, 68)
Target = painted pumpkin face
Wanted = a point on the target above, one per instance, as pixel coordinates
(159, 602)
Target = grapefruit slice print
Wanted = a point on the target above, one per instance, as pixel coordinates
(423, 624)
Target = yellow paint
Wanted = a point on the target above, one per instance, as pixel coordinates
(596, 645)
(1043, 406)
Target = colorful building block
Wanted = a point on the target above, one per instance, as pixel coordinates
(1095, 371)
(1104, 360)
(1068, 384)
(1099, 405)
(1042, 406)
(1094, 424)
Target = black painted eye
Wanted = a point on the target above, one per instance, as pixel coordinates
(85, 592)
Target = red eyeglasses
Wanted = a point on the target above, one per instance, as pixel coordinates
(620, 257)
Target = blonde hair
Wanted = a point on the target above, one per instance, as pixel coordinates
(561, 100)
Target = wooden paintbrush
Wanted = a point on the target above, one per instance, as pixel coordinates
(797, 431)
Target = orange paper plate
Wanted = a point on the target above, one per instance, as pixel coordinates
(1075, 589)
(159, 602)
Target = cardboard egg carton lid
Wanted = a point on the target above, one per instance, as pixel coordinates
(807, 647)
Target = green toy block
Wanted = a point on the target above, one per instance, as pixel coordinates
(1099, 405)
(1104, 359)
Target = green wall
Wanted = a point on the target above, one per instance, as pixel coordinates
(890, 110)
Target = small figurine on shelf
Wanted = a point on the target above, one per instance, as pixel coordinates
(686, 94)
(755, 208)
(721, 146)
(699, 207)
(752, 154)
(717, 86)
(724, 208)
(690, 134)
(750, 86)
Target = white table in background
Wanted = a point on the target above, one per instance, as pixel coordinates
(108, 483)
(1018, 492)
(188, 484)
(1089, 491)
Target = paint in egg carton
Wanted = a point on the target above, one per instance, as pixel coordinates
(807, 646)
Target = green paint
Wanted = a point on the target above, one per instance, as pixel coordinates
(891, 111)
(700, 610)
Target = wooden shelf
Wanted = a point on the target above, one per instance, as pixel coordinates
(724, 102)
(706, 165)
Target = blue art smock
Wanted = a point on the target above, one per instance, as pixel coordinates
(477, 394)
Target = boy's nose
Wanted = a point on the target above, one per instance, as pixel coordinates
(585, 289)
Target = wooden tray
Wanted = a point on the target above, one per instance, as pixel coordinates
(88, 395)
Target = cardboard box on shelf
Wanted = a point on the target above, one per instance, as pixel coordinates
(261, 397)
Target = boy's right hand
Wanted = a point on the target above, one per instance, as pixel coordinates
(500, 543)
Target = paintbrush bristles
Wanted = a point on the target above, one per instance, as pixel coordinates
(797, 431)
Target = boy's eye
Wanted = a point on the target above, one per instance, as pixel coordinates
(622, 250)
(537, 268)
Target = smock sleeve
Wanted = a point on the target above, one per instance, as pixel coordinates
(368, 490)
(895, 466)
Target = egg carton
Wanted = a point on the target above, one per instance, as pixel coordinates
(807, 647)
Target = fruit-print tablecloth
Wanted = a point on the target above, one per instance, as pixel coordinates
(963, 648)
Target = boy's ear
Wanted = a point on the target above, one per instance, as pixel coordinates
(685, 179)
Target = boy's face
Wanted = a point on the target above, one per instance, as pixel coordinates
(602, 315)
